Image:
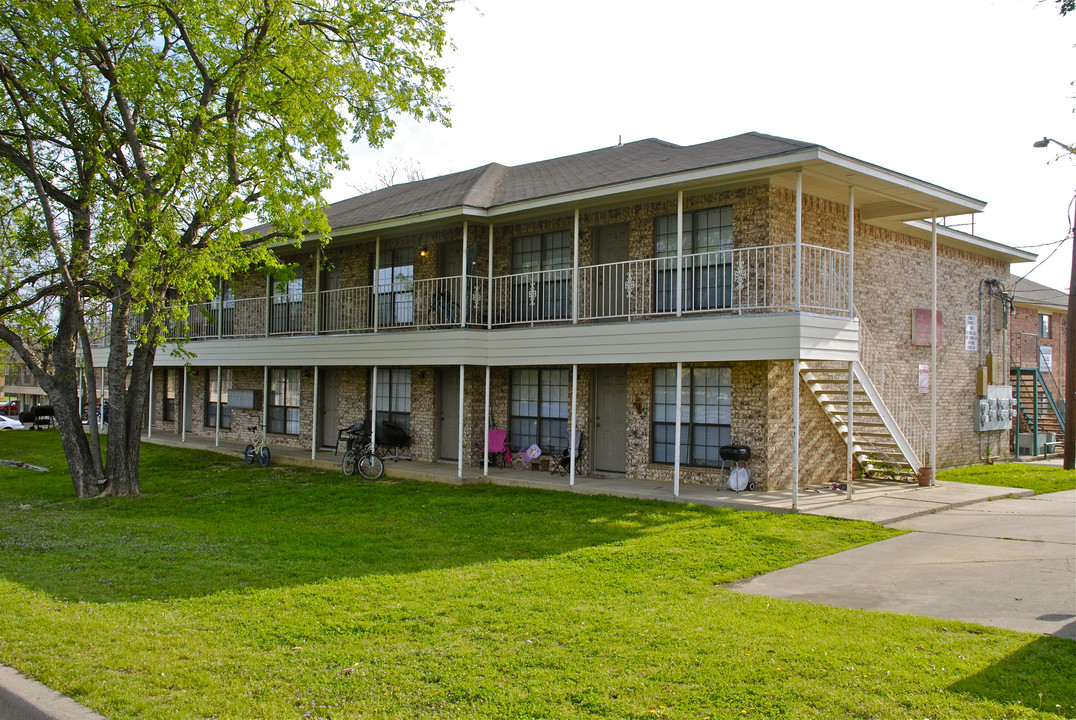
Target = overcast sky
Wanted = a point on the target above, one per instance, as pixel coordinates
(952, 92)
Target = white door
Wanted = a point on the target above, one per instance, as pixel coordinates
(610, 418)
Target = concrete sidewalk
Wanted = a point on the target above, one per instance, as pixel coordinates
(1010, 563)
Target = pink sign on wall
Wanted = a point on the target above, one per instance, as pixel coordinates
(921, 327)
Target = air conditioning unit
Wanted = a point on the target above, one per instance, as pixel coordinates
(1027, 440)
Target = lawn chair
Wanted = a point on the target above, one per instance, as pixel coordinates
(499, 452)
(393, 439)
(562, 463)
(526, 456)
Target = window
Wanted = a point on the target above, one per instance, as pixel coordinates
(287, 305)
(212, 397)
(707, 267)
(540, 400)
(171, 379)
(1044, 326)
(542, 282)
(395, 286)
(394, 397)
(705, 415)
(224, 307)
(284, 401)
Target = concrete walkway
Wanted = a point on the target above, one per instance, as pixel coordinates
(1010, 563)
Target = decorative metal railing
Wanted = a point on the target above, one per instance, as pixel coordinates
(735, 281)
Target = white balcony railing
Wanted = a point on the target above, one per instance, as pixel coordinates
(735, 281)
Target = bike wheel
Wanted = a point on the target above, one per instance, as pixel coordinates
(248, 454)
(263, 457)
(348, 465)
(371, 466)
(433, 318)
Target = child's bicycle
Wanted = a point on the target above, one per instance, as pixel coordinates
(257, 448)
(361, 455)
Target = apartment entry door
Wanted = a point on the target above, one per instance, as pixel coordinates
(328, 407)
(610, 289)
(448, 423)
(610, 418)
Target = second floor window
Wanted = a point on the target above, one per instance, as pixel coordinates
(395, 287)
(542, 277)
(1044, 326)
(707, 267)
(287, 305)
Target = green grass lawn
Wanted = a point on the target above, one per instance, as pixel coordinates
(1040, 478)
(230, 591)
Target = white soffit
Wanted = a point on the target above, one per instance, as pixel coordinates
(949, 237)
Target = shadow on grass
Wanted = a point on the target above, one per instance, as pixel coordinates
(1041, 676)
(208, 523)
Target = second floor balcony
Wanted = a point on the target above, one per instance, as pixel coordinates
(756, 280)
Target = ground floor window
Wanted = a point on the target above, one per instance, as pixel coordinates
(214, 395)
(394, 397)
(171, 380)
(540, 402)
(284, 401)
(705, 415)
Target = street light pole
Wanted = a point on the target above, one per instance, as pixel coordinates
(1070, 341)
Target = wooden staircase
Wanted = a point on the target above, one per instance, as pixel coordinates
(878, 444)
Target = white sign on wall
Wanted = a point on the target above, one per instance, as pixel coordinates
(924, 378)
(1046, 359)
(971, 333)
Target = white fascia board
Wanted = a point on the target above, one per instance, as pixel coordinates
(982, 245)
(905, 181)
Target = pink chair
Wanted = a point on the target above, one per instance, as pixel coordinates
(499, 452)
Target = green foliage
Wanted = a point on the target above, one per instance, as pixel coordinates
(1040, 478)
(286, 592)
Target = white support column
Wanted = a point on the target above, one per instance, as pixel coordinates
(373, 407)
(799, 240)
(489, 300)
(459, 432)
(851, 251)
(796, 435)
(377, 286)
(317, 292)
(851, 424)
(101, 399)
(149, 429)
(186, 404)
(314, 419)
(465, 303)
(485, 423)
(679, 272)
(934, 374)
(574, 423)
(220, 308)
(265, 399)
(268, 304)
(216, 439)
(575, 270)
(679, 405)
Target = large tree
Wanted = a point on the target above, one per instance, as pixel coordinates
(135, 140)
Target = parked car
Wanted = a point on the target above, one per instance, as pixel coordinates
(9, 408)
(8, 423)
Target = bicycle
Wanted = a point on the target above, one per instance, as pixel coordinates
(443, 310)
(362, 457)
(257, 448)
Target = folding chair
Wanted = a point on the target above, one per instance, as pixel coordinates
(499, 453)
(562, 462)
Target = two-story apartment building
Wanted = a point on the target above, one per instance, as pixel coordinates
(1039, 348)
(663, 301)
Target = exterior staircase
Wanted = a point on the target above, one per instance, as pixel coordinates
(1032, 389)
(888, 438)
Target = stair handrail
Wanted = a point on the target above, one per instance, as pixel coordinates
(1058, 406)
(896, 401)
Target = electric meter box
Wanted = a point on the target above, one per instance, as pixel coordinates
(996, 410)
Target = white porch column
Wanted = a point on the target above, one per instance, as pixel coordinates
(851, 252)
(265, 399)
(679, 405)
(377, 284)
(485, 423)
(373, 407)
(216, 439)
(149, 429)
(465, 305)
(575, 271)
(934, 353)
(317, 297)
(679, 273)
(489, 301)
(574, 423)
(799, 240)
(851, 422)
(268, 304)
(796, 435)
(220, 308)
(459, 432)
(314, 418)
(183, 414)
